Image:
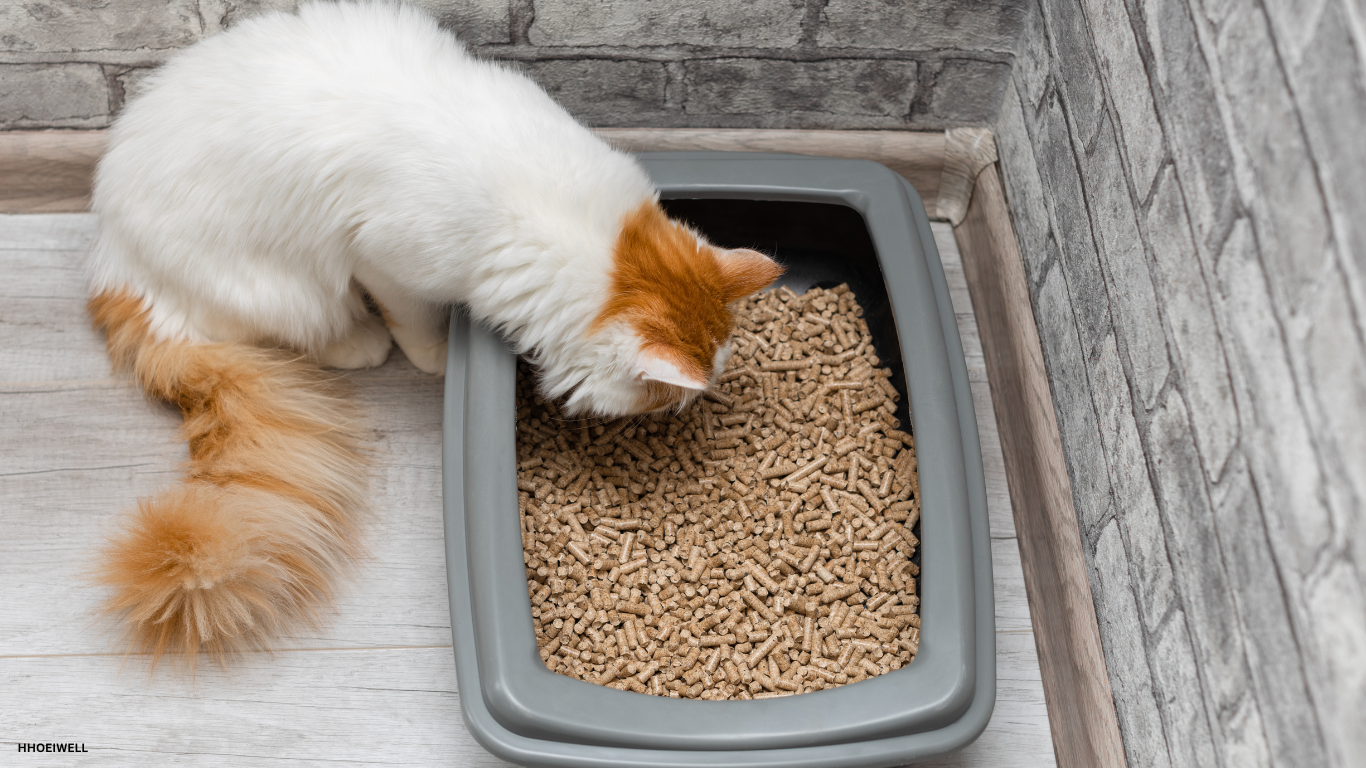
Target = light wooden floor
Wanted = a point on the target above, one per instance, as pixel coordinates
(377, 687)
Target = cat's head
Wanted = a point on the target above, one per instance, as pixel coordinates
(667, 316)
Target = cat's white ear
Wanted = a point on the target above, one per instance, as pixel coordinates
(746, 271)
(652, 367)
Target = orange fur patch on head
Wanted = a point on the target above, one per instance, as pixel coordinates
(672, 288)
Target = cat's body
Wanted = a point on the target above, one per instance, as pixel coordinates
(269, 176)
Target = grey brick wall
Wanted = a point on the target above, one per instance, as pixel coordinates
(1187, 182)
(648, 63)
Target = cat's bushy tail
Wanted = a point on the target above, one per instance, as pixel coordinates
(251, 544)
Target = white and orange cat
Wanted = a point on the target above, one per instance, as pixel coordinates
(267, 180)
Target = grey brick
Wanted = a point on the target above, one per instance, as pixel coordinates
(603, 92)
(644, 23)
(1284, 195)
(1081, 261)
(1024, 189)
(53, 96)
(1132, 297)
(966, 92)
(1134, 500)
(1275, 435)
(920, 24)
(1140, 723)
(1275, 656)
(1032, 63)
(54, 25)
(217, 15)
(1336, 365)
(1176, 681)
(1186, 100)
(1337, 602)
(1190, 316)
(1205, 587)
(1330, 89)
(1072, 401)
(131, 83)
(1077, 73)
(477, 22)
(834, 89)
(1127, 84)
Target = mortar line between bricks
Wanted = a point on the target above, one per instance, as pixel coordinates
(521, 15)
(1151, 195)
(1050, 261)
(1092, 537)
(1351, 303)
(686, 52)
(811, 22)
(520, 52)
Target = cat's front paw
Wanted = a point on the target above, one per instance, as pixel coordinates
(367, 346)
(429, 358)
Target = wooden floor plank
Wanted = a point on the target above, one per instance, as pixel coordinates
(998, 493)
(57, 506)
(346, 708)
(377, 685)
(47, 231)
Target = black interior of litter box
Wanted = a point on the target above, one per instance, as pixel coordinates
(821, 245)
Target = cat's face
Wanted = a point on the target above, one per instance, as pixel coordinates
(669, 306)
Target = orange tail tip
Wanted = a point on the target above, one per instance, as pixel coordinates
(251, 545)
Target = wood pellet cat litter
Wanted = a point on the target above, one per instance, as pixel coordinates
(759, 544)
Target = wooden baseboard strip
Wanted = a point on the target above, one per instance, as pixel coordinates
(966, 152)
(51, 171)
(48, 171)
(1076, 685)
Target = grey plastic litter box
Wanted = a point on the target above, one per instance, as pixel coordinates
(940, 702)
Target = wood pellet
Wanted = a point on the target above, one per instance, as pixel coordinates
(759, 544)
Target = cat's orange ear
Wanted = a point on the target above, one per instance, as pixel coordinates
(744, 271)
(662, 365)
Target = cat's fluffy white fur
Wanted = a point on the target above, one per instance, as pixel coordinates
(264, 179)
(265, 170)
